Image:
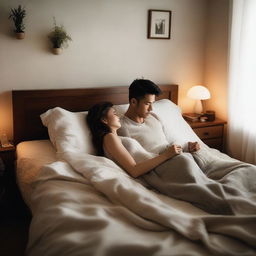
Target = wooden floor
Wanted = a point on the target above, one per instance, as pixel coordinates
(14, 236)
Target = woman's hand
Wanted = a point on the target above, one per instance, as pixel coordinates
(193, 146)
(172, 151)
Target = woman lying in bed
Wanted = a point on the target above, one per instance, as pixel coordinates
(227, 190)
(104, 123)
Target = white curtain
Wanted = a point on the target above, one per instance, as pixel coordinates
(242, 82)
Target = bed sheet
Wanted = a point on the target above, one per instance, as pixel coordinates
(31, 156)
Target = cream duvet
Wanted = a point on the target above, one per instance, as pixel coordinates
(87, 205)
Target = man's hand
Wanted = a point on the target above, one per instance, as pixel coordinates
(173, 150)
(193, 146)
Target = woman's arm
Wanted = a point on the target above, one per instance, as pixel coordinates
(113, 145)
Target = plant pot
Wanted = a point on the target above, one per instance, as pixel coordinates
(20, 35)
(57, 51)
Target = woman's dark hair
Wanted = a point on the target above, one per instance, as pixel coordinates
(97, 127)
(140, 87)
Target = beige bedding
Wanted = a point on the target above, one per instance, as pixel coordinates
(31, 156)
(95, 209)
(87, 205)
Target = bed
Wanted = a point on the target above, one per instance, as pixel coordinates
(86, 205)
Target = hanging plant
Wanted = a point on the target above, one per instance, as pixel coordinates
(17, 15)
(59, 38)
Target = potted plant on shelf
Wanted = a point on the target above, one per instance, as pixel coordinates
(59, 38)
(17, 15)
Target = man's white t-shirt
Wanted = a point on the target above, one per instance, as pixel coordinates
(149, 134)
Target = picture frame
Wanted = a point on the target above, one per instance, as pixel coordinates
(159, 24)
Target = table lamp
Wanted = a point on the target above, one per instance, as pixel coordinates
(198, 93)
(4, 140)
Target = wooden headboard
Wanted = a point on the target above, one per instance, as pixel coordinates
(28, 105)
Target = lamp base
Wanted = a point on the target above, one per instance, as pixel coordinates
(198, 108)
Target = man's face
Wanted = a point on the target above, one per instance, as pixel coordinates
(144, 106)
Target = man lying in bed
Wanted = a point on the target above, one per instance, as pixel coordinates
(140, 123)
(167, 169)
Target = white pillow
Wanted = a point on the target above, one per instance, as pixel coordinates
(176, 129)
(121, 109)
(68, 131)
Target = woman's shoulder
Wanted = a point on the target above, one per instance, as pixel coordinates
(111, 137)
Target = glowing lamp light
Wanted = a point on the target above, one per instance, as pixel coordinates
(198, 93)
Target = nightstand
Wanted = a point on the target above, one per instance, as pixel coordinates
(11, 203)
(7, 156)
(211, 133)
(14, 216)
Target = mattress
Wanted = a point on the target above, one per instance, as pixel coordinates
(31, 156)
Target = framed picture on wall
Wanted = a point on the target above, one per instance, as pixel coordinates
(159, 24)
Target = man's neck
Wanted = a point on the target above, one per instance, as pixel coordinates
(134, 117)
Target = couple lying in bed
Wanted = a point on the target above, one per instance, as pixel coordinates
(165, 167)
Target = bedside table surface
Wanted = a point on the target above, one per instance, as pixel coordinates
(12, 148)
(217, 121)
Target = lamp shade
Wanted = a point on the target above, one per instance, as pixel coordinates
(199, 92)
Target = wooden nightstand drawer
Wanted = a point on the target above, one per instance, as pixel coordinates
(209, 132)
(214, 143)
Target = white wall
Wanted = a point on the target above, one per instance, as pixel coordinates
(109, 47)
(216, 56)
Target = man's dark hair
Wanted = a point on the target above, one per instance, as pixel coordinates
(140, 87)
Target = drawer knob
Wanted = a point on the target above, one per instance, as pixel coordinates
(206, 133)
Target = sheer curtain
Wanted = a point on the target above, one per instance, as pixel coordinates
(242, 82)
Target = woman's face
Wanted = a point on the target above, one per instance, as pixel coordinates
(112, 120)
